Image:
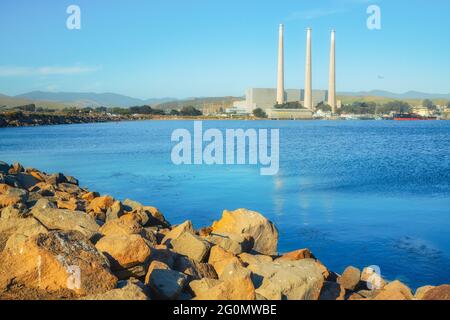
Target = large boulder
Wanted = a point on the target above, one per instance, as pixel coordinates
(243, 221)
(297, 255)
(125, 251)
(58, 260)
(395, 290)
(233, 288)
(232, 242)
(99, 206)
(14, 231)
(332, 291)
(288, 280)
(150, 215)
(220, 258)
(177, 231)
(164, 283)
(438, 293)
(4, 167)
(10, 196)
(192, 246)
(350, 278)
(194, 269)
(62, 219)
(247, 258)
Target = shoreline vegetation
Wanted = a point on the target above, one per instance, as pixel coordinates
(61, 241)
(30, 115)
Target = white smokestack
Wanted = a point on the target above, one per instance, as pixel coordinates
(332, 88)
(280, 83)
(308, 75)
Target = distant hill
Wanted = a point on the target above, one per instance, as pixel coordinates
(90, 99)
(400, 96)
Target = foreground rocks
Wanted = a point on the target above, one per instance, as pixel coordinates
(61, 241)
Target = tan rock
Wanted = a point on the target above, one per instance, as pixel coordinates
(350, 278)
(62, 219)
(248, 258)
(234, 269)
(438, 293)
(58, 260)
(220, 258)
(199, 287)
(98, 206)
(71, 204)
(13, 196)
(395, 291)
(16, 230)
(297, 255)
(129, 292)
(126, 224)
(192, 246)
(230, 289)
(194, 269)
(420, 292)
(290, 280)
(178, 231)
(89, 196)
(115, 211)
(124, 251)
(232, 242)
(243, 221)
(163, 282)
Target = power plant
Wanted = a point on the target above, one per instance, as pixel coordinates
(272, 100)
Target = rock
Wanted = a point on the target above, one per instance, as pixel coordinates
(72, 180)
(288, 280)
(11, 196)
(234, 269)
(232, 242)
(297, 255)
(138, 210)
(194, 269)
(219, 258)
(16, 168)
(163, 282)
(61, 219)
(394, 291)
(350, 278)
(14, 231)
(332, 291)
(372, 279)
(69, 188)
(247, 258)
(18, 210)
(73, 204)
(192, 246)
(230, 289)
(420, 292)
(125, 251)
(199, 287)
(242, 221)
(98, 206)
(58, 260)
(56, 178)
(4, 167)
(129, 291)
(126, 224)
(89, 196)
(178, 230)
(115, 211)
(438, 293)
(26, 181)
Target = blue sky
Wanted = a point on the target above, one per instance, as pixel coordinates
(186, 48)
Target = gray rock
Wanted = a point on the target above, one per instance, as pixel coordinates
(288, 280)
(61, 219)
(129, 291)
(4, 167)
(232, 242)
(192, 246)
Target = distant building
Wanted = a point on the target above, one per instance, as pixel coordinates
(289, 114)
(266, 98)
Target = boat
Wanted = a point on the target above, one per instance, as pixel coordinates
(411, 117)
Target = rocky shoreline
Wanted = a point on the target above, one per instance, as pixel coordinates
(30, 119)
(61, 241)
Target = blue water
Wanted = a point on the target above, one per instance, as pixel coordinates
(356, 193)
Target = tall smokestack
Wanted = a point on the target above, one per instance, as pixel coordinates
(332, 88)
(280, 83)
(308, 77)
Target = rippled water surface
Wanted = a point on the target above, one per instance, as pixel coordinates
(359, 193)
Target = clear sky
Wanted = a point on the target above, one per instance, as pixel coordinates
(186, 48)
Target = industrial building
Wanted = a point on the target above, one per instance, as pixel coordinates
(267, 98)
